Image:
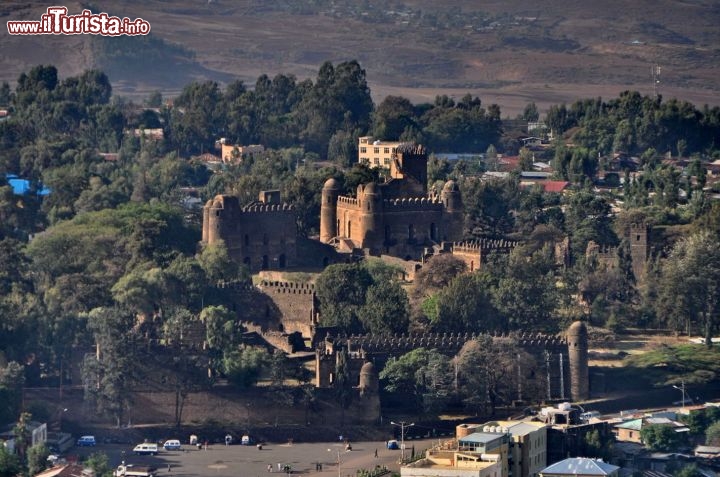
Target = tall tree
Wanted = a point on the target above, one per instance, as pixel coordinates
(690, 285)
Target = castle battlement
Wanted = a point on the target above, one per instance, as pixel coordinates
(484, 245)
(287, 287)
(416, 203)
(268, 208)
(240, 285)
(348, 201)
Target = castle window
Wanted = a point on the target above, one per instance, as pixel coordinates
(265, 239)
(217, 213)
(393, 150)
(348, 229)
(247, 240)
(386, 161)
(637, 238)
(376, 161)
(376, 150)
(337, 228)
(363, 150)
(472, 265)
(386, 150)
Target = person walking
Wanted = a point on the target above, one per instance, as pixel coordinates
(376, 454)
(169, 466)
(269, 467)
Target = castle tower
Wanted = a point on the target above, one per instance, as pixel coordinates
(328, 210)
(410, 162)
(369, 383)
(220, 216)
(577, 341)
(638, 249)
(452, 200)
(371, 218)
(206, 219)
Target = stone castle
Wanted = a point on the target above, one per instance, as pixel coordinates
(398, 217)
(638, 236)
(261, 235)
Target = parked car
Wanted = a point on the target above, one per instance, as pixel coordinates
(146, 448)
(86, 441)
(246, 441)
(393, 444)
(172, 444)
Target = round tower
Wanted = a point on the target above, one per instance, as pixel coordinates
(369, 383)
(452, 201)
(328, 210)
(577, 340)
(371, 221)
(206, 221)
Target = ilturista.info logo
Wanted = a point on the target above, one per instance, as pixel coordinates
(57, 22)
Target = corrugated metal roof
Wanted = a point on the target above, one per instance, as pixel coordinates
(581, 466)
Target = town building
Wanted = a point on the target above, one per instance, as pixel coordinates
(375, 153)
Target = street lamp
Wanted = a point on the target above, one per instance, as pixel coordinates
(402, 425)
(682, 390)
(338, 460)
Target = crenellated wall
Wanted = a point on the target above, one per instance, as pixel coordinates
(263, 236)
(552, 366)
(475, 253)
(296, 302)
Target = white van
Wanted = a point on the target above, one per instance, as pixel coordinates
(146, 449)
(172, 444)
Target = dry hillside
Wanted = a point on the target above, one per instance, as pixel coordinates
(506, 51)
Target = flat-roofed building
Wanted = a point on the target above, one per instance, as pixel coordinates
(375, 153)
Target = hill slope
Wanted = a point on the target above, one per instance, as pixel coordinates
(509, 52)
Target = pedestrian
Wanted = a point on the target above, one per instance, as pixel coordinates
(269, 467)
(169, 468)
(279, 467)
(376, 453)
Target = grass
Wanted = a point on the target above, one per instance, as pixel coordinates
(666, 365)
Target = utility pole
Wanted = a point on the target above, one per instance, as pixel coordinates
(682, 390)
(402, 425)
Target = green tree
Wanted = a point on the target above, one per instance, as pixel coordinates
(712, 434)
(10, 465)
(660, 437)
(99, 462)
(243, 366)
(341, 289)
(386, 309)
(417, 373)
(37, 458)
(108, 376)
(466, 304)
(689, 285)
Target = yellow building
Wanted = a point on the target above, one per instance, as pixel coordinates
(233, 153)
(454, 463)
(376, 153)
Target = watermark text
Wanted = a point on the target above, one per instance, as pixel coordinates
(57, 22)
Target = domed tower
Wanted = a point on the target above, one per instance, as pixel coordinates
(371, 216)
(452, 200)
(369, 381)
(328, 210)
(577, 339)
(222, 214)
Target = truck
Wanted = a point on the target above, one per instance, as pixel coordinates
(129, 470)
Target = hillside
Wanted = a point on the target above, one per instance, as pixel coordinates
(509, 52)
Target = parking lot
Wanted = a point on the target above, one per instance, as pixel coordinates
(237, 460)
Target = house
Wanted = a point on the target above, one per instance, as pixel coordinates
(233, 153)
(580, 467)
(629, 431)
(156, 134)
(707, 452)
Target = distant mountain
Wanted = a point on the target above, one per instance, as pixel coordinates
(508, 52)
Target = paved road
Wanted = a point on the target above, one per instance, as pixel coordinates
(248, 461)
